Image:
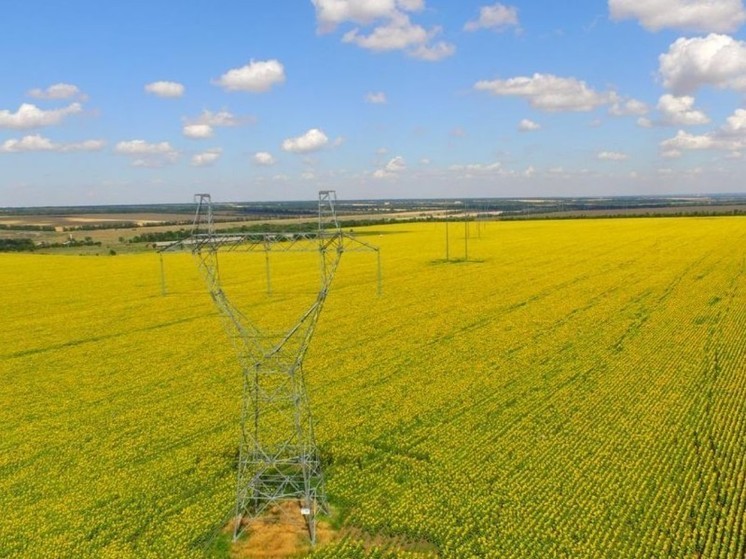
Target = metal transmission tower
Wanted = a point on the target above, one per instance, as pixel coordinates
(278, 457)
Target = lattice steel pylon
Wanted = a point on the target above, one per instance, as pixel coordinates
(278, 456)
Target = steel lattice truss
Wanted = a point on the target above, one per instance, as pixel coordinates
(278, 457)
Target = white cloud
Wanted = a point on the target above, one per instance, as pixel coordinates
(398, 34)
(58, 91)
(477, 168)
(396, 165)
(411, 5)
(312, 140)
(680, 111)
(264, 158)
(689, 15)
(146, 154)
(165, 89)
(378, 98)
(31, 116)
(527, 125)
(731, 137)
(715, 60)
(39, 143)
(612, 156)
(256, 77)
(628, 107)
(497, 17)
(392, 168)
(736, 123)
(331, 13)
(141, 147)
(644, 122)
(203, 126)
(221, 118)
(548, 92)
(433, 53)
(206, 158)
(685, 141)
(393, 28)
(197, 131)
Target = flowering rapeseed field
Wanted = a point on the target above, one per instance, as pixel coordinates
(576, 390)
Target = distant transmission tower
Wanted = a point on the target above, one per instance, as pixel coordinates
(278, 457)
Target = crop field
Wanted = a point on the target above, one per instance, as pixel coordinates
(577, 389)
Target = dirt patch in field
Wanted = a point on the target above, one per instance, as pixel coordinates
(282, 533)
(279, 534)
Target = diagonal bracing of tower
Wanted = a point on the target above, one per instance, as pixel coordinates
(278, 457)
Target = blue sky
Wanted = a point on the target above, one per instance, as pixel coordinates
(145, 102)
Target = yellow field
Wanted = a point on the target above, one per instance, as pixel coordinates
(578, 390)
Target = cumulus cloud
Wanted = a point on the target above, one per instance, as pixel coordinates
(222, 118)
(141, 147)
(257, 76)
(264, 158)
(398, 34)
(612, 156)
(496, 16)
(58, 91)
(628, 107)
(736, 123)
(644, 122)
(715, 60)
(527, 125)
(686, 141)
(31, 116)
(206, 158)
(548, 92)
(434, 52)
(197, 131)
(378, 98)
(165, 89)
(680, 111)
(203, 125)
(392, 27)
(411, 5)
(39, 143)
(396, 165)
(401, 34)
(392, 168)
(671, 153)
(731, 137)
(477, 168)
(145, 154)
(690, 15)
(313, 140)
(331, 13)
